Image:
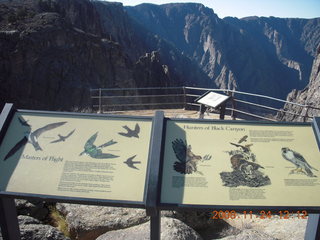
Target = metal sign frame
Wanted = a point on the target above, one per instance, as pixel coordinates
(153, 180)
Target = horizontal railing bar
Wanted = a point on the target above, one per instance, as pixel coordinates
(257, 105)
(144, 104)
(141, 96)
(251, 94)
(251, 114)
(128, 89)
(192, 95)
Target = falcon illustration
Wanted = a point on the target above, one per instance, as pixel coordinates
(243, 139)
(23, 122)
(96, 152)
(131, 163)
(187, 159)
(130, 132)
(298, 160)
(32, 137)
(63, 138)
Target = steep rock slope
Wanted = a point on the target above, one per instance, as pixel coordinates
(310, 96)
(261, 55)
(53, 52)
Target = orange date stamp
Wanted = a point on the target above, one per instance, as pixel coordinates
(263, 214)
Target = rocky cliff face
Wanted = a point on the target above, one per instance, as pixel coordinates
(53, 52)
(261, 55)
(309, 97)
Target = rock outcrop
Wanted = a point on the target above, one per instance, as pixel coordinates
(31, 228)
(308, 98)
(171, 229)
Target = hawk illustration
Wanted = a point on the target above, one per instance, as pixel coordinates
(96, 152)
(130, 132)
(131, 163)
(63, 138)
(32, 137)
(298, 160)
(187, 159)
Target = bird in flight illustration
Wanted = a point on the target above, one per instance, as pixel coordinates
(131, 163)
(23, 122)
(63, 138)
(243, 139)
(96, 152)
(130, 132)
(32, 137)
(298, 160)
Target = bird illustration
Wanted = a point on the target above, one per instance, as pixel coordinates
(32, 137)
(245, 148)
(187, 159)
(23, 122)
(238, 162)
(298, 160)
(243, 139)
(130, 132)
(131, 163)
(63, 138)
(96, 152)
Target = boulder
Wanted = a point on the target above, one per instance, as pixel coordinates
(31, 228)
(171, 229)
(249, 234)
(88, 222)
(36, 209)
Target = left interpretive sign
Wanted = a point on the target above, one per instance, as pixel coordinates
(82, 156)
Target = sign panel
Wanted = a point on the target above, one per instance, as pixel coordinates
(213, 99)
(240, 164)
(75, 156)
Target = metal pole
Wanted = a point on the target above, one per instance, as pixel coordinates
(313, 227)
(155, 226)
(8, 219)
(184, 97)
(100, 107)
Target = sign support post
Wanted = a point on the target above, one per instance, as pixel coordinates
(8, 219)
(153, 182)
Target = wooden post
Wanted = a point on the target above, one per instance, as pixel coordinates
(222, 111)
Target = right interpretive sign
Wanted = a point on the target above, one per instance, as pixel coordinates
(240, 164)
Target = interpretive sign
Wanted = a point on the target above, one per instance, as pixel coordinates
(240, 164)
(70, 155)
(212, 99)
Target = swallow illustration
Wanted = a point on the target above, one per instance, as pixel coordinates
(243, 139)
(32, 137)
(23, 122)
(96, 152)
(130, 132)
(63, 138)
(131, 163)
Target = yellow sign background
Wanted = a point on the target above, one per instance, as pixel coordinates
(40, 172)
(214, 139)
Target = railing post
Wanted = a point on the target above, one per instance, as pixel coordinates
(100, 100)
(306, 114)
(233, 105)
(184, 97)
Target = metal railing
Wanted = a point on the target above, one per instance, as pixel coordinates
(241, 104)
